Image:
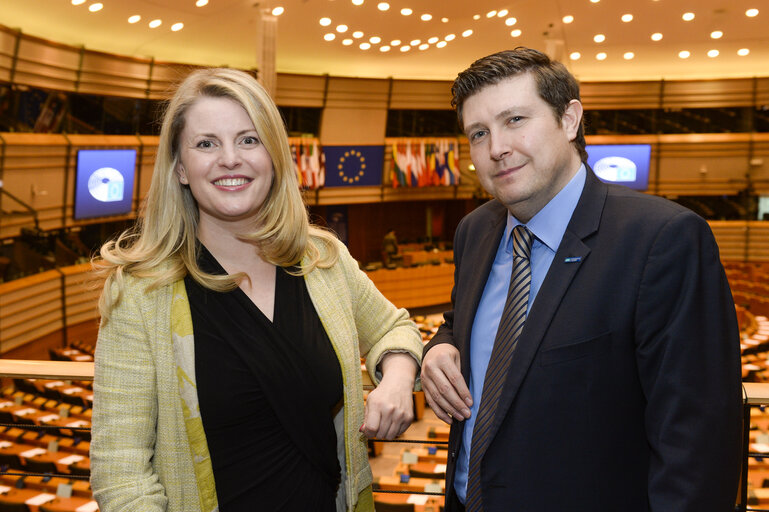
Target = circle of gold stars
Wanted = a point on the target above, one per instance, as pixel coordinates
(361, 161)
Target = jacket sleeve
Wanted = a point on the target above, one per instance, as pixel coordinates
(381, 326)
(125, 413)
(689, 364)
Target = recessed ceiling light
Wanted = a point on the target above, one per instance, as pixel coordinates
(395, 42)
(467, 33)
(424, 46)
(329, 37)
(357, 34)
(134, 19)
(444, 20)
(176, 27)
(502, 13)
(384, 48)
(341, 28)
(600, 56)
(426, 17)
(716, 34)
(325, 22)
(476, 17)
(599, 38)
(684, 54)
(415, 42)
(688, 16)
(155, 23)
(441, 44)
(491, 14)
(357, 2)
(405, 48)
(627, 18)
(374, 39)
(656, 36)
(347, 42)
(516, 33)
(201, 3)
(751, 13)
(510, 22)
(96, 7)
(743, 52)
(568, 18)
(78, 2)
(450, 37)
(432, 40)
(383, 6)
(594, 1)
(278, 11)
(713, 53)
(628, 55)
(406, 11)
(365, 46)
(575, 55)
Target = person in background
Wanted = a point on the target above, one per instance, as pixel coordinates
(227, 373)
(591, 358)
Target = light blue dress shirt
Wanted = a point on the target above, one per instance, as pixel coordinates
(548, 227)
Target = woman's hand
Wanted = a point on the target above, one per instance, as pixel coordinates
(390, 407)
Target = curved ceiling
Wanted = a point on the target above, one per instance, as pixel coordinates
(225, 32)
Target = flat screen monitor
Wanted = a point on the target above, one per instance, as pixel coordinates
(624, 164)
(104, 182)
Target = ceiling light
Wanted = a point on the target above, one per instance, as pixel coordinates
(406, 11)
(365, 46)
(395, 42)
(594, 1)
(135, 18)
(383, 6)
(713, 53)
(441, 44)
(357, 34)
(751, 13)
(374, 39)
(278, 11)
(384, 48)
(510, 22)
(716, 34)
(426, 17)
(476, 17)
(415, 42)
(405, 48)
(341, 28)
(628, 55)
(743, 52)
(602, 55)
(357, 2)
(201, 3)
(424, 46)
(502, 13)
(627, 18)
(684, 54)
(516, 32)
(656, 36)
(599, 38)
(432, 40)
(688, 16)
(329, 37)
(325, 22)
(450, 37)
(575, 55)
(176, 27)
(491, 14)
(155, 23)
(467, 33)
(96, 7)
(78, 2)
(567, 19)
(347, 42)
(444, 20)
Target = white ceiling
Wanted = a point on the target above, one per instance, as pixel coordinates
(224, 33)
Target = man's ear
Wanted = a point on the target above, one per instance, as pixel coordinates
(572, 118)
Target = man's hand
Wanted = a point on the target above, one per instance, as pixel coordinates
(443, 384)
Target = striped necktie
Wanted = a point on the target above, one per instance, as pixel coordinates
(510, 327)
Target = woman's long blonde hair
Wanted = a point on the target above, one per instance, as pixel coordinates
(161, 246)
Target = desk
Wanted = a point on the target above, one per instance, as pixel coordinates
(393, 483)
(421, 502)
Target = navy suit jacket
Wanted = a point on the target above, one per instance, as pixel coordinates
(624, 390)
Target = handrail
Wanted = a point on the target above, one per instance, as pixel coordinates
(30, 369)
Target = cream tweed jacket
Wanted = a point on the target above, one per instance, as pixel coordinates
(148, 450)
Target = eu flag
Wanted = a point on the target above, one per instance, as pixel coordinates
(353, 165)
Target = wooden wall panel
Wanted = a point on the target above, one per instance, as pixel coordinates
(357, 93)
(620, 95)
(708, 93)
(759, 163)
(300, 90)
(420, 94)
(8, 40)
(111, 75)
(47, 65)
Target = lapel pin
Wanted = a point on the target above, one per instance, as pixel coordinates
(574, 259)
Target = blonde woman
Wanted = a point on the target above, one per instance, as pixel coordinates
(227, 366)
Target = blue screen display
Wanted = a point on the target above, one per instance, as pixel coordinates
(624, 164)
(104, 182)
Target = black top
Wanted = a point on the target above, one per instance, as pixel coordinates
(266, 391)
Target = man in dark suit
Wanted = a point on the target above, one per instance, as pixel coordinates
(615, 384)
